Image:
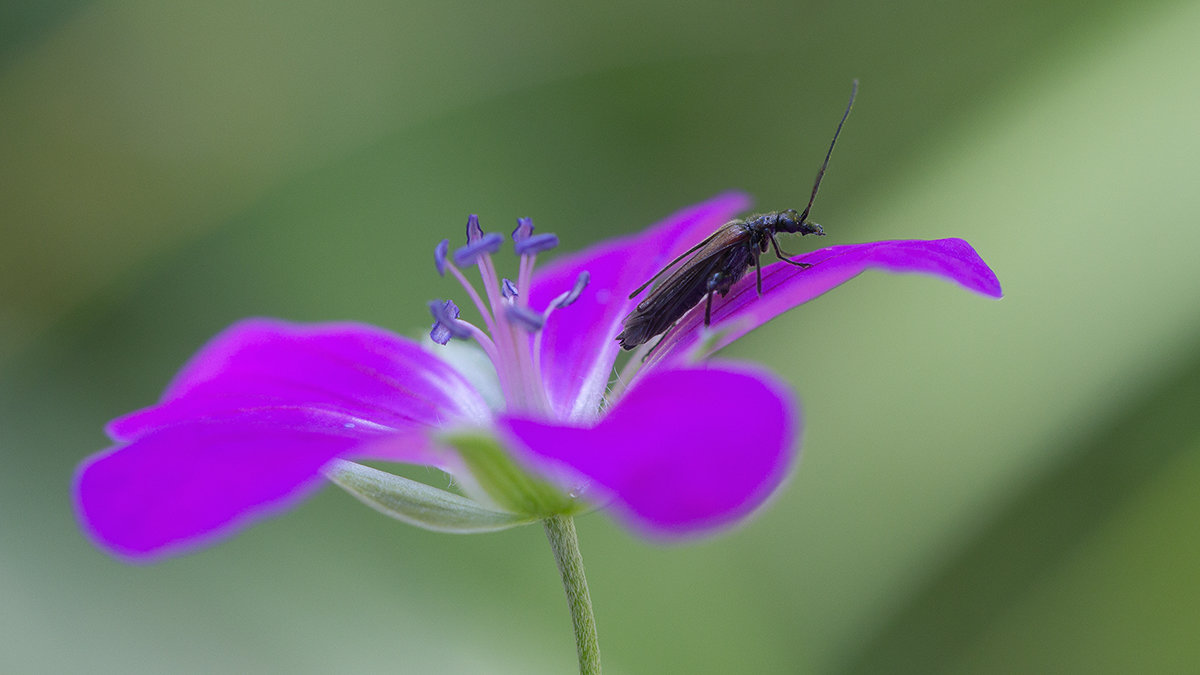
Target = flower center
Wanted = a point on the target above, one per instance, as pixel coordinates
(512, 332)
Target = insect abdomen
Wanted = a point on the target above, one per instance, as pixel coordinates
(678, 294)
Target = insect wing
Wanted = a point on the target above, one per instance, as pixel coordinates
(666, 303)
(704, 257)
(680, 292)
(686, 254)
(685, 287)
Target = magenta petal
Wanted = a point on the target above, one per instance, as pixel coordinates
(245, 428)
(578, 342)
(180, 487)
(684, 452)
(786, 286)
(355, 369)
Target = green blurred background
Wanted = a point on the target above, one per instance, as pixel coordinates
(987, 487)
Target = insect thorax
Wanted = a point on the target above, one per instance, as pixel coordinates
(788, 220)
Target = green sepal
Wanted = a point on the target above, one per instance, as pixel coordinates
(508, 485)
(419, 504)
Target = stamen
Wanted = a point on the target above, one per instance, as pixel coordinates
(439, 333)
(485, 244)
(445, 322)
(569, 298)
(536, 243)
(474, 232)
(439, 256)
(471, 293)
(526, 317)
(513, 340)
(523, 231)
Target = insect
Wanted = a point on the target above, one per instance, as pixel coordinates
(715, 264)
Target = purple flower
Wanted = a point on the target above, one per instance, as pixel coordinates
(678, 446)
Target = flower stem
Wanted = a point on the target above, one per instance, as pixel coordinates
(565, 543)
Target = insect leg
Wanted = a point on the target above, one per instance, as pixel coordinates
(783, 256)
(650, 351)
(758, 272)
(713, 282)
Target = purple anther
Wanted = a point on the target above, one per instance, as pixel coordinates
(581, 283)
(528, 318)
(523, 231)
(485, 245)
(439, 256)
(536, 243)
(445, 322)
(474, 232)
(508, 289)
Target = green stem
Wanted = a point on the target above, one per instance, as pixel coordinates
(565, 543)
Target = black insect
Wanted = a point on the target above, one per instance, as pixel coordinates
(715, 264)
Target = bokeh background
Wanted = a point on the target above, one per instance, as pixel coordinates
(987, 487)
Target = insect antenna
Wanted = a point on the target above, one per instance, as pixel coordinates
(821, 173)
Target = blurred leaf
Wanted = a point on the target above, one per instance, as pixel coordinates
(136, 126)
(22, 24)
(1104, 477)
